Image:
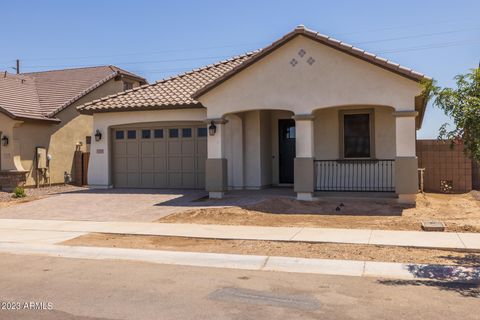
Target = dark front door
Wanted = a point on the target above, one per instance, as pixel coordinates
(286, 149)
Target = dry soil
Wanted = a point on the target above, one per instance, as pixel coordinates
(460, 213)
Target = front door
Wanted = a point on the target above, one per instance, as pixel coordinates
(286, 149)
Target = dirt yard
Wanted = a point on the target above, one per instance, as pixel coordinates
(460, 213)
(276, 248)
(7, 200)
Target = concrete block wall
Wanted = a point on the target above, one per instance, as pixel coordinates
(442, 162)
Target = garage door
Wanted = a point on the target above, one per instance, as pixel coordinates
(159, 157)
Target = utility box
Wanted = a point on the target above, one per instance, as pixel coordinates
(41, 158)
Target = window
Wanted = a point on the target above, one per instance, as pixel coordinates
(158, 133)
(356, 136)
(146, 134)
(132, 134)
(187, 132)
(202, 132)
(290, 133)
(127, 85)
(119, 135)
(88, 139)
(173, 133)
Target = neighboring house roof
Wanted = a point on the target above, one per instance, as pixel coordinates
(182, 91)
(19, 98)
(174, 92)
(41, 95)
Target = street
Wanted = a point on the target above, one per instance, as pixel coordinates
(102, 289)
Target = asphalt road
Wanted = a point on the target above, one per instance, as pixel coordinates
(96, 289)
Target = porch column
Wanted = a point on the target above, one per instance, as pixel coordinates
(406, 164)
(216, 163)
(303, 164)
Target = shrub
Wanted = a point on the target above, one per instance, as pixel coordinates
(19, 192)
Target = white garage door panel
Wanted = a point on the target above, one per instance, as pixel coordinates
(159, 157)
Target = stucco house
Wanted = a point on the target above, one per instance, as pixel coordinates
(40, 126)
(308, 112)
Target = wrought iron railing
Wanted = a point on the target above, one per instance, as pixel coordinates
(355, 175)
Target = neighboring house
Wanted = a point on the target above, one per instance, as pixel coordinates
(308, 111)
(38, 110)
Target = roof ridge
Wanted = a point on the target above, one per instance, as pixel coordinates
(39, 104)
(66, 69)
(83, 93)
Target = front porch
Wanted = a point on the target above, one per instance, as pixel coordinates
(344, 149)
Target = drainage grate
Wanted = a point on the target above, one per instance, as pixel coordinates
(302, 302)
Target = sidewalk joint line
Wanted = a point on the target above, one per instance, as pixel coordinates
(265, 263)
(370, 236)
(364, 267)
(460, 238)
(296, 233)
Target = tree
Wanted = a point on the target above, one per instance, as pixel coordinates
(462, 104)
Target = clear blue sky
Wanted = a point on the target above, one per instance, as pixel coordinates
(161, 38)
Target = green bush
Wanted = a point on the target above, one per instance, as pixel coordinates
(19, 192)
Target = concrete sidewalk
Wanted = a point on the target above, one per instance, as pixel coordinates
(252, 262)
(445, 240)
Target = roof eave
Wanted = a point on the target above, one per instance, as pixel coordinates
(87, 111)
(420, 106)
(30, 119)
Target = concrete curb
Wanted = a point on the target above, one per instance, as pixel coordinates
(251, 262)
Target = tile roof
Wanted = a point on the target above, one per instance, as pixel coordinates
(19, 98)
(41, 95)
(181, 91)
(174, 92)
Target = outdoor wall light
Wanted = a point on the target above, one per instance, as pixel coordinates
(5, 141)
(212, 128)
(98, 135)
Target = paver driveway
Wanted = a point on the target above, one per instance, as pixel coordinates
(106, 205)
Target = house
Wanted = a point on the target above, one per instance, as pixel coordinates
(40, 125)
(308, 111)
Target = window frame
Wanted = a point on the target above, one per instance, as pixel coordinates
(128, 132)
(127, 85)
(145, 130)
(123, 134)
(371, 118)
(178, 133)
(155, 130)
(197, 132)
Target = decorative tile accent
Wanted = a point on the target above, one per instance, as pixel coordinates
(310, 61)
(293, 62)
(301, 53)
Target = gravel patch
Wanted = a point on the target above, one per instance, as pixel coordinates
(6, 198)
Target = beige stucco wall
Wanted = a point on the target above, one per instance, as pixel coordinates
(59, 139)
(9, 158)
(327, 132)
(251, 147)
(234, 150)
(334, 79)
(99, 174)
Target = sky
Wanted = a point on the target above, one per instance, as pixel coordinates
(157, 39)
